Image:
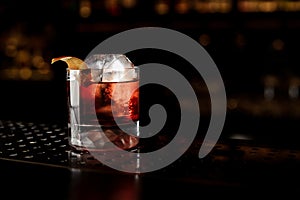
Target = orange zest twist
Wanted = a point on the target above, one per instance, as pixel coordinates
(72, 62)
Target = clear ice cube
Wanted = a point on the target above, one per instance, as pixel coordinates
(110, 68)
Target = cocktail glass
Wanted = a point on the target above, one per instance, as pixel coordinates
(103, 102)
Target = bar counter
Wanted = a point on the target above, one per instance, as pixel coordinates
(235, 168)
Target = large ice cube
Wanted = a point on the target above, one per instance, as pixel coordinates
(108, 61)
(111, 68)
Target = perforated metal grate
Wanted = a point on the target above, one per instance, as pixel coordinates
(34, 142)
(48, 144)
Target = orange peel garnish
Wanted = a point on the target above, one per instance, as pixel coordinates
(72, 62)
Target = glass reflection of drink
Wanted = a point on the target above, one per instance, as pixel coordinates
(103, 110)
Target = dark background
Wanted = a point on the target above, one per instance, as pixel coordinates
(255, 47)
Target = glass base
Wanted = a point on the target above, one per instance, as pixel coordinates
(96, 138)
